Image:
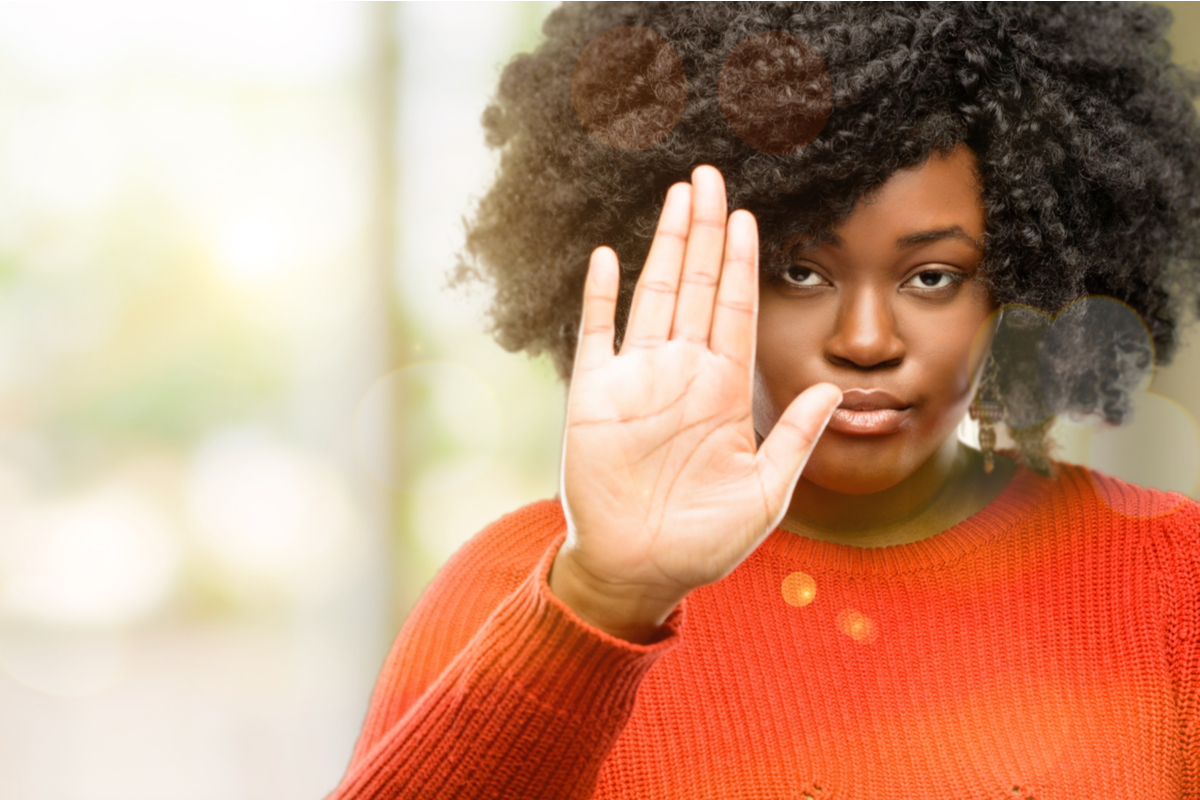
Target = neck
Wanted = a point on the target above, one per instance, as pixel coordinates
(945, 490)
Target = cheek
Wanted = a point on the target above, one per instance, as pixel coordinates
(789, 347)
(955, 346)
(945, 353)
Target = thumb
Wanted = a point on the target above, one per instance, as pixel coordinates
(785, 451)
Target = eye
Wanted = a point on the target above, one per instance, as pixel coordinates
(802, 276)
(934, 279)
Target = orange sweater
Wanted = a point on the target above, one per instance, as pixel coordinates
(1048, 647)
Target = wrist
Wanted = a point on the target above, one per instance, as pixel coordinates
(631, 612)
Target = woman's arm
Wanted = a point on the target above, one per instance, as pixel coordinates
(493, 687)
(665, 491)
(1181, 570)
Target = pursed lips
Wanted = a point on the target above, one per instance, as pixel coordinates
(869, 412)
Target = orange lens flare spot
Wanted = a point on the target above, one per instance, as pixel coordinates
(799, 589)
(857, 625)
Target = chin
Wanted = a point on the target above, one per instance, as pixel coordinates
(859, 467)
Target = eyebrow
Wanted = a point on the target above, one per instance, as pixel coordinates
(911, 240)
(937, 235)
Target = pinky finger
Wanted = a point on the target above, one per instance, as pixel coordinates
(596, 329)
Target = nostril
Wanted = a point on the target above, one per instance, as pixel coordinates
(866, 347)
(863, 365)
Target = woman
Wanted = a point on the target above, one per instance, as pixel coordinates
(727, 601)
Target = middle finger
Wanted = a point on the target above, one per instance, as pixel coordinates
(702, 259)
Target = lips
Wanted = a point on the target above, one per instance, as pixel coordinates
(871, 412)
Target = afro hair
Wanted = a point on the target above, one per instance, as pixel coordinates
(1085, 133)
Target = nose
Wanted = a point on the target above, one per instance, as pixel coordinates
(865, 335)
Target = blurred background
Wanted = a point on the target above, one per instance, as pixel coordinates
(242, 419)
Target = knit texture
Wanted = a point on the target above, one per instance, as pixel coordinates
(1047, 647)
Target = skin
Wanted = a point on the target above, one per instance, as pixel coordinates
(664, 484)
(892, 302)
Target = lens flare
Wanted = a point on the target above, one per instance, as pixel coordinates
(629, 88)
(799, 589)
(775, 92)
(857, 625)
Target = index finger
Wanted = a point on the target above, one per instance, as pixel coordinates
(653, 306)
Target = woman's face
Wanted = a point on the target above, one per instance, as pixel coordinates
(891, 312)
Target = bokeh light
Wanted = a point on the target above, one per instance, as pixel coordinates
(444, 420)
(857, 625)
(267, 510)
(222, 227)
(242, 420)
(64, 663)
(1158, 447)
(629, 88)
(775, 92)
(104, 559)
(799, 589)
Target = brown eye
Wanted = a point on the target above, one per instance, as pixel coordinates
(800, 275)
(934, 279)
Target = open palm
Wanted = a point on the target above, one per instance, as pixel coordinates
(663, 486)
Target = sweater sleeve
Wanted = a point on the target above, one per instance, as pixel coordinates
(1183, 636)
(494, 688)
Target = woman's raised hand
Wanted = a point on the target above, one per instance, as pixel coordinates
(663, 487)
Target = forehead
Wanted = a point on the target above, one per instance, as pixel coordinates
(943, 193)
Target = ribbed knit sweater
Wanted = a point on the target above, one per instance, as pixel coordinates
(1047, 647)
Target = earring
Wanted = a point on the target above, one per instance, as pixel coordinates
(988, 409)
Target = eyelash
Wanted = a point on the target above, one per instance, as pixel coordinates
(788, 277)
(954, 279)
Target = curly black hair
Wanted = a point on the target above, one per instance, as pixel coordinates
(1085, 133)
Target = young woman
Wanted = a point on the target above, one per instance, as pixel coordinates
(773, 571)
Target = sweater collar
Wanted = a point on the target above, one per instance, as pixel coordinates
(997, 518)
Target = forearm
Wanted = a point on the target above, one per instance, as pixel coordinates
(530, 708)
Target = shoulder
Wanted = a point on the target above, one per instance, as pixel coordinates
(455, 605)
(497, 559)
(515, 542)
(1166, 522)
(475, 580)
(1089, 491)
